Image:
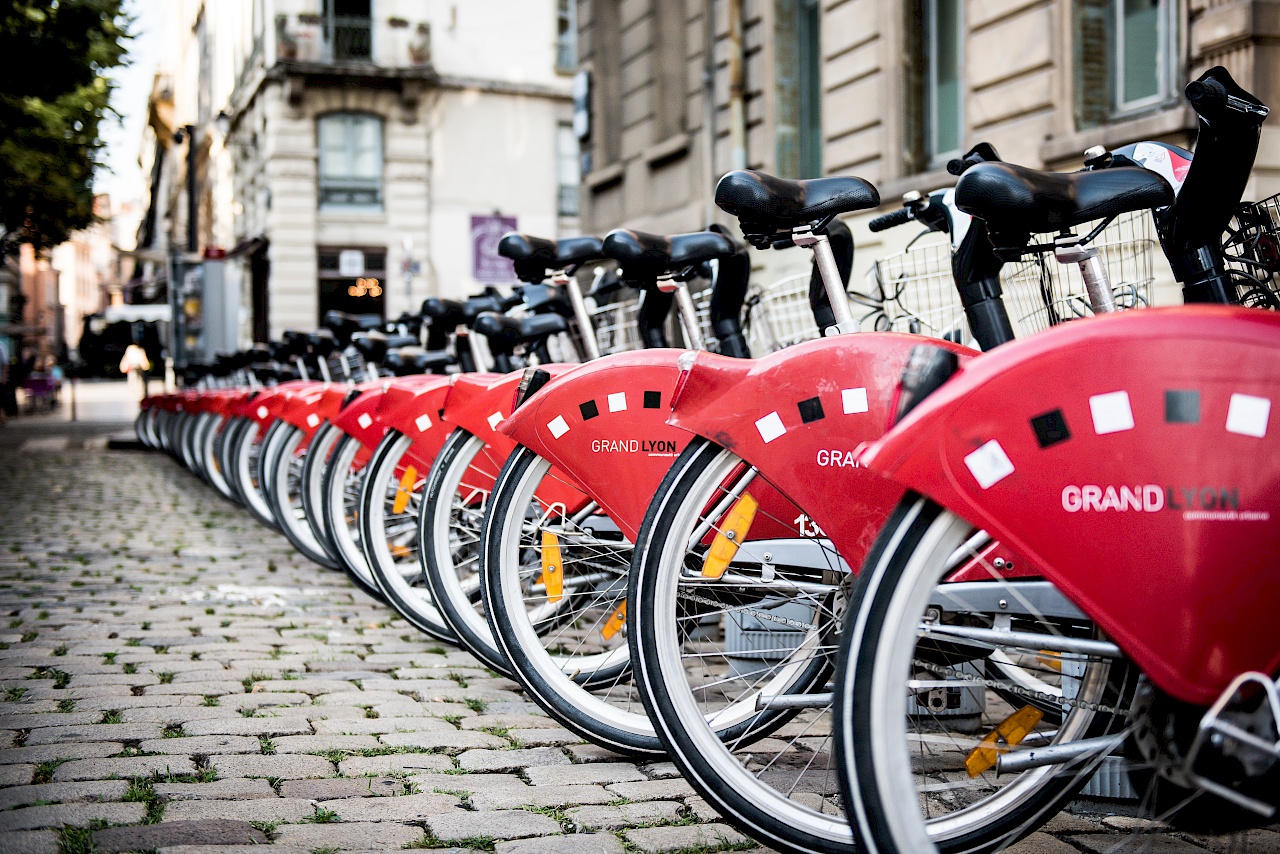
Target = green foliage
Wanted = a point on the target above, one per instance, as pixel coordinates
(53, 100)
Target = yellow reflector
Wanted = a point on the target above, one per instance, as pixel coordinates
(552, 577)
(405, 490)
(1050, 659)
(616, 622)
(1009, 733)
(398, 552)
(732, 534)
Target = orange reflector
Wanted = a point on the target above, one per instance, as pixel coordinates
(616, 622)
(552, 577)
(1009, 733)
(398, 552)
(732, 534)
(1050, 659)
(405, 490)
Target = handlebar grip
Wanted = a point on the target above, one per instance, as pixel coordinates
(889, 220)
(1206, 93)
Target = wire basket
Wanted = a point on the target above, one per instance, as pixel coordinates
(914, 291)
(702, 311)
(778, 315)
(617, 323)
(1040, 292)
(1251, 248)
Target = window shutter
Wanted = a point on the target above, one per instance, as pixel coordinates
(1092, 62)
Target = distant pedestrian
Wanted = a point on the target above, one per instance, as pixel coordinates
(135, 365)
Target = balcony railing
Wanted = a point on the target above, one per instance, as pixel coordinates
(351, 40)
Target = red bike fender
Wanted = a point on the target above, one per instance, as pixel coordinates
(357, 419)
(415, 410)
(605, 425)
(310, 408)
(478, 405)
(1134, 458)
(798, 415)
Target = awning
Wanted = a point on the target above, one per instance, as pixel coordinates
(132, 313)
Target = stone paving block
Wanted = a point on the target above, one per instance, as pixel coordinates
(284, 767)
(378, 726)
(341, 787)
(315, 743)
(49, 752)
(1257, 841)
(446, 742)
(592, 753)
(598, 772)
(543, 737)
(510, 760)
(94, 733)
(625, 815)
(229, 849)
(263, 700)
(652, 839)
(123, 767)
(577, 843)
(357, 766)
(1042, 843)
(31, 842)
(702, 810)
(349, 836)
(177, 714)
(403, 808)
(247, 727)
(305, 685)
(409, 708)
(233, 788)
(208, 832)
(652, 790)
(50, 719)
(498, 824)
(200, 688)
(358, 698)
(542, 796)
(16, 775)
(470, 783)
(62, 793)
(258, 809)
(487, 721)
(1104, 843)
(70, 815)
(201, 745)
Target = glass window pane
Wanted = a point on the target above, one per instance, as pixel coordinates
(366, 147)
(944, 74)
(1141, 74)
(333, 146)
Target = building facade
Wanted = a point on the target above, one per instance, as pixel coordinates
(682, 91)
(359, 155)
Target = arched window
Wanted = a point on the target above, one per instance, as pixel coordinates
(350, 160)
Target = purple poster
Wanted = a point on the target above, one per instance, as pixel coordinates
(486, 264)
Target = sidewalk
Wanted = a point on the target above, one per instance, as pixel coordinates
(175, 678)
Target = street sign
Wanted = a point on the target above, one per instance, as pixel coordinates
(487, 266)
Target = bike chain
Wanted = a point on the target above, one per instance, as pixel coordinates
(995, 684)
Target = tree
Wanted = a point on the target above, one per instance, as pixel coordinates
(53, 99)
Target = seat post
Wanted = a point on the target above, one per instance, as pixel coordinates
(590, 346)
(1067, 249)
(685, 308)
(804, 236)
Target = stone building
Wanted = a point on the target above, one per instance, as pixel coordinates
(682, 91)
(361, 155)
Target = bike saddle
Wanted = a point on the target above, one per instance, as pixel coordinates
(767, 204)
(415, 360)
(519, 330)
(294, 343)
(541, 299)
(1015, 200)
(490, 301)
(534, 256)
(643, 256)
(322, 342)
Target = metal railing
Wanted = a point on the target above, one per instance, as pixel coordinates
(352, 40)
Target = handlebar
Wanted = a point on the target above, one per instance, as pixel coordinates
(890, 220)
(1209, 94)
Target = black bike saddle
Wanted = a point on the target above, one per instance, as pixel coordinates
(534, 256)
(644, 257)
(767, 204)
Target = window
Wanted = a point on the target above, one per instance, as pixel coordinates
(568, 174)
(566, 36)
(350, 160)
(348, 30)
(944, 95)
(1125, 57)
(798, 80)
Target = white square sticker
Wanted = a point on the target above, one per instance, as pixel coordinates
(854, 399)
(558, 426)
(262, 412)
(364, 421)
(989, 464)
(313, 420)
(1111, 412)
(770, 427)
(1248, 415)
(618, 402)
(494, 420)
(423, 423)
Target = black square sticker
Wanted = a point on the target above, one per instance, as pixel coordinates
(811, 410)
(653, 400)
(589, 410)
(1051, 428)
(1182, 407)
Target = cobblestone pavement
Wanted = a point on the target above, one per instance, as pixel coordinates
(173, 677)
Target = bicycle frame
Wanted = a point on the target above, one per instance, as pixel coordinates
(1132, 442)
(799, 415)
